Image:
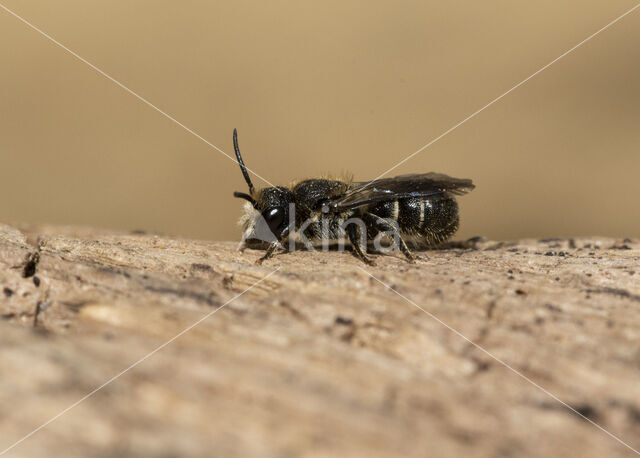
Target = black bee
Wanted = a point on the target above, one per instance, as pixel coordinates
(416, 206)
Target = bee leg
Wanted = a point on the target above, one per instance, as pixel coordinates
(405, 250)
(272, 247)
(269, 253)
(353, 233)
(402, 245)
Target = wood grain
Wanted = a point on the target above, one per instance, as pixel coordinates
(319, 359)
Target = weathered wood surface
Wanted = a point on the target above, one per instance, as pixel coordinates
(319, 359)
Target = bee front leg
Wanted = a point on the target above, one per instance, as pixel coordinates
(354, 234)
(272, 247)
(269, 253)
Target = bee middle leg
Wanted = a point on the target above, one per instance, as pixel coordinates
(383, 225)
(355, 237)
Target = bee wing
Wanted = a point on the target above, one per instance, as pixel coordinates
(412, 185)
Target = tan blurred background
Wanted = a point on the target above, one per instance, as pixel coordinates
(316, 87)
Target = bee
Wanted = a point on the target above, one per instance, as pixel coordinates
(417, 206)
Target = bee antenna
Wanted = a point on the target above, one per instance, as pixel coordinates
(241, 164)
(244, 196)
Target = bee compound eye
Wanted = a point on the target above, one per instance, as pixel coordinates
(274, 218)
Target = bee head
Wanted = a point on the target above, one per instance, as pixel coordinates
(266, 213)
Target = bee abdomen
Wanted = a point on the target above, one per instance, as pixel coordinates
(433, 218)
